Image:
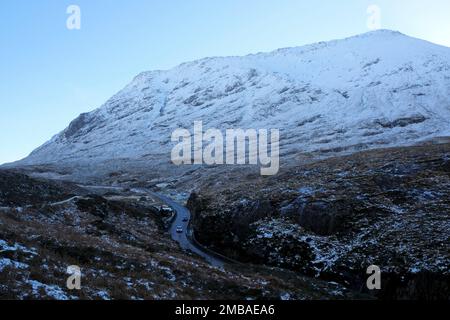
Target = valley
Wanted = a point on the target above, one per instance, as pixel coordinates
(123, 248)
(363, 179)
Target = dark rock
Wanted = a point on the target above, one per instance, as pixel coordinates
(401, 122)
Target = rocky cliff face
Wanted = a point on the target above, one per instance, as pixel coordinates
(334, 218)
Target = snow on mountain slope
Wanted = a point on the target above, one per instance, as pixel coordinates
(377, 89)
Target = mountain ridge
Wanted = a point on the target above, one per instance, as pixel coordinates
(380, 88)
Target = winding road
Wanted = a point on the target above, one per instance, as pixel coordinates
(182, 237)
(182, 212)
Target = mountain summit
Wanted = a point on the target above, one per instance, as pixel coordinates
(377, 89)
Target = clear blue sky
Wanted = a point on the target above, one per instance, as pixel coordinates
(49, 74)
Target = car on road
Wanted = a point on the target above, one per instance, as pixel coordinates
(185, 219)
(165, 208)
(179, 229)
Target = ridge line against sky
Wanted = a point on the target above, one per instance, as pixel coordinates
(50, 74)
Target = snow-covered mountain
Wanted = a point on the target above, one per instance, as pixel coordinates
(377, 89)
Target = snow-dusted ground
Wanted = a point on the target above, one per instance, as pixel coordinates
(377, 89)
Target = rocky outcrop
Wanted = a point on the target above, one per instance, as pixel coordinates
(334, 218)
(321, 217)
(17, 189)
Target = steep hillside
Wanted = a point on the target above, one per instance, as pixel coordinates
(336, 217)
(377, 89)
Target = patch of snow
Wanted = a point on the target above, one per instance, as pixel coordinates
(5, 262)
(414, 269)
(52, 291)
(285, 296)
(266, 235)
(103, 295)
(16, 247)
